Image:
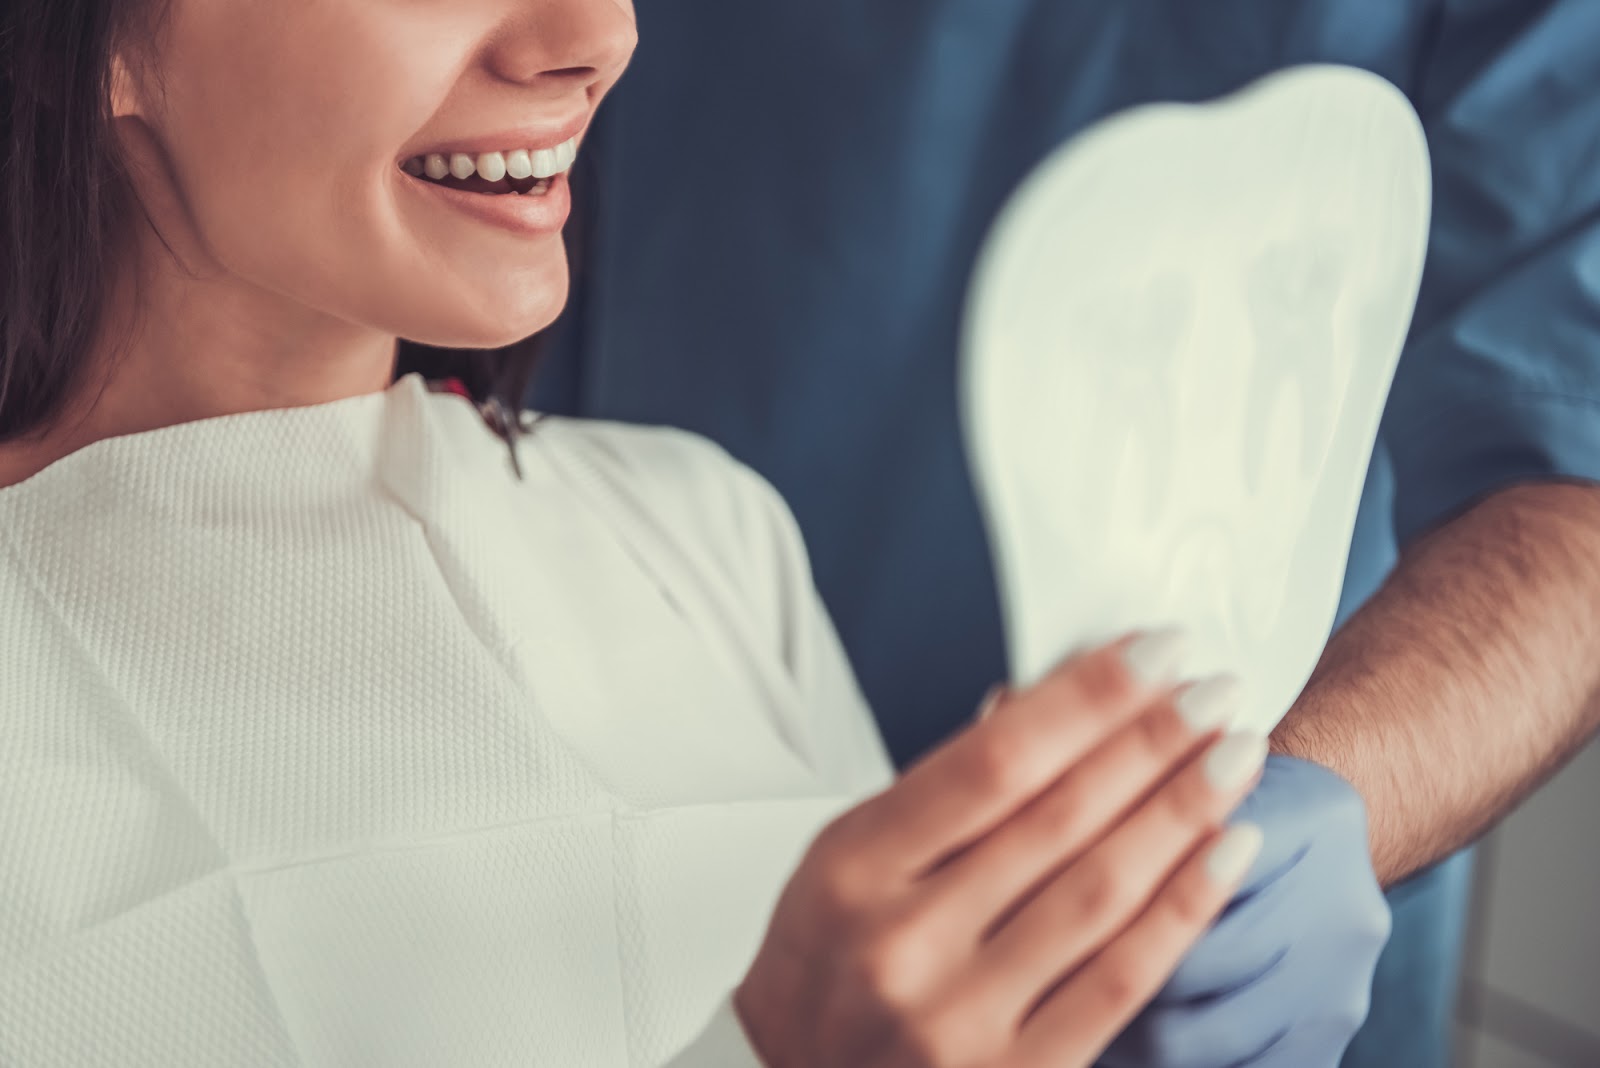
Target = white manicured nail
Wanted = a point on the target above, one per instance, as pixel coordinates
(1233, 854)
(1209, 704)
(1233, 761)
(1154, 657)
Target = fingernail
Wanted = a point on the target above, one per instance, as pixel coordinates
(1209, 704)
(1234, 760)
(990, 700)
(1233, 854)
(1154, 657)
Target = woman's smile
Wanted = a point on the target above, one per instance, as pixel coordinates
(515, 179)
(516, 164)
(542, 208)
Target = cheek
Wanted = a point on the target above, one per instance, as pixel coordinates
(281, 108)
(283, 122)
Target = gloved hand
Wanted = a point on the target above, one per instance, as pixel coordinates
(1284, 979)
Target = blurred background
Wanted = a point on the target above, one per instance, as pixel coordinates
(1530, 995)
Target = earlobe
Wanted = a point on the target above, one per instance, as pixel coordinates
(124, 88)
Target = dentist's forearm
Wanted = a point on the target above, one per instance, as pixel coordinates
(1468, 679)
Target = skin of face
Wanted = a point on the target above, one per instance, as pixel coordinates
(278, 250)
(266, 138)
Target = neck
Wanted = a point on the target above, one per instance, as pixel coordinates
(180, 344)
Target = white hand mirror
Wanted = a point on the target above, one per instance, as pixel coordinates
(1178, 345)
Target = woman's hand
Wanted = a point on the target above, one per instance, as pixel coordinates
(1017, 896)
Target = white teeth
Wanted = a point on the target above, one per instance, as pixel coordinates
(566, 154)
(544, 163)
(491, 166)
(519, 163)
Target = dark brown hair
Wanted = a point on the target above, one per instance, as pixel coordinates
(67, 209)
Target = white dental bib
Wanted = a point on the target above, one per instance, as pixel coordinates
(325, 742)
(1178, 346)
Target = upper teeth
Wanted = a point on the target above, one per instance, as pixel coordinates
(493, 166)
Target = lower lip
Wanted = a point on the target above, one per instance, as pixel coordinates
(522, 214)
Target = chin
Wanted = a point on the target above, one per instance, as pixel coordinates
(494, 319)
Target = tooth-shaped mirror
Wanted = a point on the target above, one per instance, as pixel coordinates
(1178, 344)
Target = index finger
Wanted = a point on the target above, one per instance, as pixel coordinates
(974, 782)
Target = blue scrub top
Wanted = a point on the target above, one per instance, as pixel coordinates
(784, 205)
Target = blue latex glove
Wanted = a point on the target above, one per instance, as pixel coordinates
(1285, 977)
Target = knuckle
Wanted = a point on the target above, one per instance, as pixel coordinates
(1161, 733)
(974, 1021)
(828, 848)
(890, 962)
(836, 832)
(1103, 679)
(1180, 803)
(828, 854)
(838, 880)
(1102, 891)
(1190, 905)
(834, 895)
(1094, 685)
(1060, 815)
(932, 1038)
(1121, 983)
(1190, 800)
(999, 761)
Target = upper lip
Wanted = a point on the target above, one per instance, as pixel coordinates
(532, 137)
